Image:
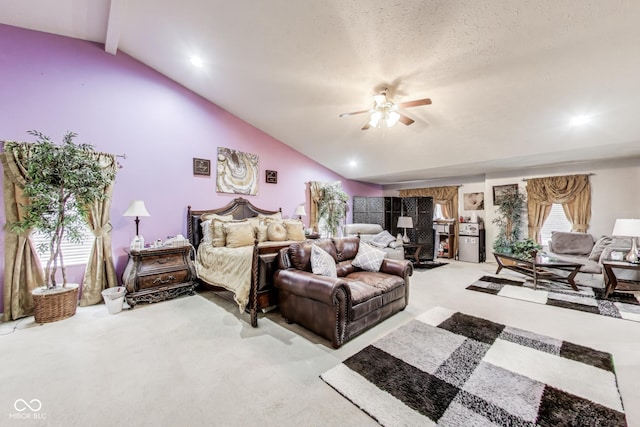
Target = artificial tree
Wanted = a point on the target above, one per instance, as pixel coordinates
(332, 206)
(61, 182)
(509, 221)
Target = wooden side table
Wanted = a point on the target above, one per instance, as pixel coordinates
(610, 279)
(412, 250)
(158, 274)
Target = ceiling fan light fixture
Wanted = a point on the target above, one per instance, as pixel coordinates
(380, 99)
(392, 118)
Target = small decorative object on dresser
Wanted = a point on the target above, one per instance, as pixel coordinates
(158, 274)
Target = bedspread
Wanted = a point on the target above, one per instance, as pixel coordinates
(226, 267)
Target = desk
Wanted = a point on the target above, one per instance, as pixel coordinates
(610, 279)
(539, 267)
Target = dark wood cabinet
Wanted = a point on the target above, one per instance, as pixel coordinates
(158, 274)
(378, 210)
(420, 209)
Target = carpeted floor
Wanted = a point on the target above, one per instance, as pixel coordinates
(450, 368)
(622, 305)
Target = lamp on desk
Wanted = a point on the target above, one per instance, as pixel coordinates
(405, 222)
(628, 228)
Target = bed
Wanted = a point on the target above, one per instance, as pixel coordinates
(245, 270)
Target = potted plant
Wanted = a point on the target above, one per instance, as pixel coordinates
(525, 249)
(332, 206)
(61, 182)
(509, 221)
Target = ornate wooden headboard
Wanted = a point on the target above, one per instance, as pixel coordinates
(240, 209)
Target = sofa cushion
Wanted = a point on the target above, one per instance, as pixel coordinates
(368, 258)
(355, 229)
(597, 249)
(322, 263)
(571, 243)
(384, 282)
(382, 239)
(361, 291)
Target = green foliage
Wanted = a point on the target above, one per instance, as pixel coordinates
(509, 221)
(525, 248)
(61, 182)
(332, 206)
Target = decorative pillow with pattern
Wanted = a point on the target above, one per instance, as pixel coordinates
(382, 239)
(261, 233)
(208, 216)
(276, 232)
(368, 258)
(322, 263)
(295, 230)
(239, 235)
(206, 231)
(273, 217)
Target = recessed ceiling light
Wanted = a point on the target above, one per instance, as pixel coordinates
(196, 61)
(353, 163)
(579, 120)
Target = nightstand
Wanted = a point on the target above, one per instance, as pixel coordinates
(159, 274)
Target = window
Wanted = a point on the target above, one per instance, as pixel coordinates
(557, 221)
(437, 211)
(73, 254)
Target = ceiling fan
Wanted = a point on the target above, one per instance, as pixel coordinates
(385, 112)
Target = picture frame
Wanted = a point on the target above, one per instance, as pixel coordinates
(201, 167)
(500, 190)
(473, 201)
(271, 177)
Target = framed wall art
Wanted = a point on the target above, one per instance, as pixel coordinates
(237, 172)
(473, 201)
(201, 167)
(271, 177)
(500, 190)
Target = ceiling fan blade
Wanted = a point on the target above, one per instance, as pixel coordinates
(353, 113)
(405, 120)
(415, 103)
(366, 126)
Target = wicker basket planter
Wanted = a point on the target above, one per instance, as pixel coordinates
(51, 305)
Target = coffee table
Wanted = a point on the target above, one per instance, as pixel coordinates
(610, 279)
(539, 267)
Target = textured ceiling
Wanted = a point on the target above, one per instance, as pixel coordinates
(505, 77)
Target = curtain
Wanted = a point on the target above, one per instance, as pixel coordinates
(572, 191)
(100, 271)
(22, 270)
(445, 196)
(315, 193)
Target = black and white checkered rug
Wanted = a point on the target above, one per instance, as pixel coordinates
(451, 369)
(622, 305)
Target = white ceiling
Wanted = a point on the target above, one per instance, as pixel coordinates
(505, 76)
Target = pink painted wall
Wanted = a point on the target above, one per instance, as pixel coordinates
(54, 84)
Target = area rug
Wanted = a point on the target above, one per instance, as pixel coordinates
(427, 265)
(622, 305)
(451, 369)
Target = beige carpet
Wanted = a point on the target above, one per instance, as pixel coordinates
(196, 361)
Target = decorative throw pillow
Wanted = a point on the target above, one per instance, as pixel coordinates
(322, 263)
(261, 233)
(206, 231)
(239, 235)
(276, 216)
(218, 233)
(368, 258)
(382, 239)
(276, 232)
(295, 230)
(602, 243)
(208, 216)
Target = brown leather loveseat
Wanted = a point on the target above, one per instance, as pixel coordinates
(339, 308)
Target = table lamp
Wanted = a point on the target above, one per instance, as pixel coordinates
(136, 208)
(405, 222)
(300, 212)
(628, 228)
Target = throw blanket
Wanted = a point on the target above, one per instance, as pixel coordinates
(229, 268)
(452, 369)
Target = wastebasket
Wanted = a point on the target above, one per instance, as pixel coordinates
(114, 298)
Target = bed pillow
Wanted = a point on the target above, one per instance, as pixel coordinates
(382, 239)
(276, 216)
(238, 235)
(295, 230)
(218, 233)
(368, 258)
(276, 232)
(206, 231)
(261, 232)
(208, 216)
(322, 263)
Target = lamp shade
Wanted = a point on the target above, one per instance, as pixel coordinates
(627, 228)
(405, 222)
(136, 208)
(300, 211)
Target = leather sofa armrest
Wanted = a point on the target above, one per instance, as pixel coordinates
(402, 268)
(309, 285)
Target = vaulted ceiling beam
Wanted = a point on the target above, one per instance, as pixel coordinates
(117, 13)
